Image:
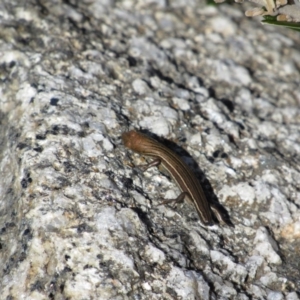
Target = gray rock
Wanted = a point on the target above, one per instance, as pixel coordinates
(77, 221)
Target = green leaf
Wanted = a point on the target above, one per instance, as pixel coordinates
(272, 21)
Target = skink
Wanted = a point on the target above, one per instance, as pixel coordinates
(179, 171)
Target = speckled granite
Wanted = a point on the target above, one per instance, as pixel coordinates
(77, 221)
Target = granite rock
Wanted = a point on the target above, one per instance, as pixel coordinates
(77, 221)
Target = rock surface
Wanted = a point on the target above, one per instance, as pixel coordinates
(77, 221)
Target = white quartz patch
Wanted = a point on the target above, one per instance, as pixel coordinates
(187, 285)
(275, 296)
(183, 104)
(106, 220)
(108, 117)
(265, 246)
(236, 272)
(223, 25)
(154, 255)
(278, 212)
(157, 125)
(243, 190)
(229, 72)
(253, 265)
(140, 87)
